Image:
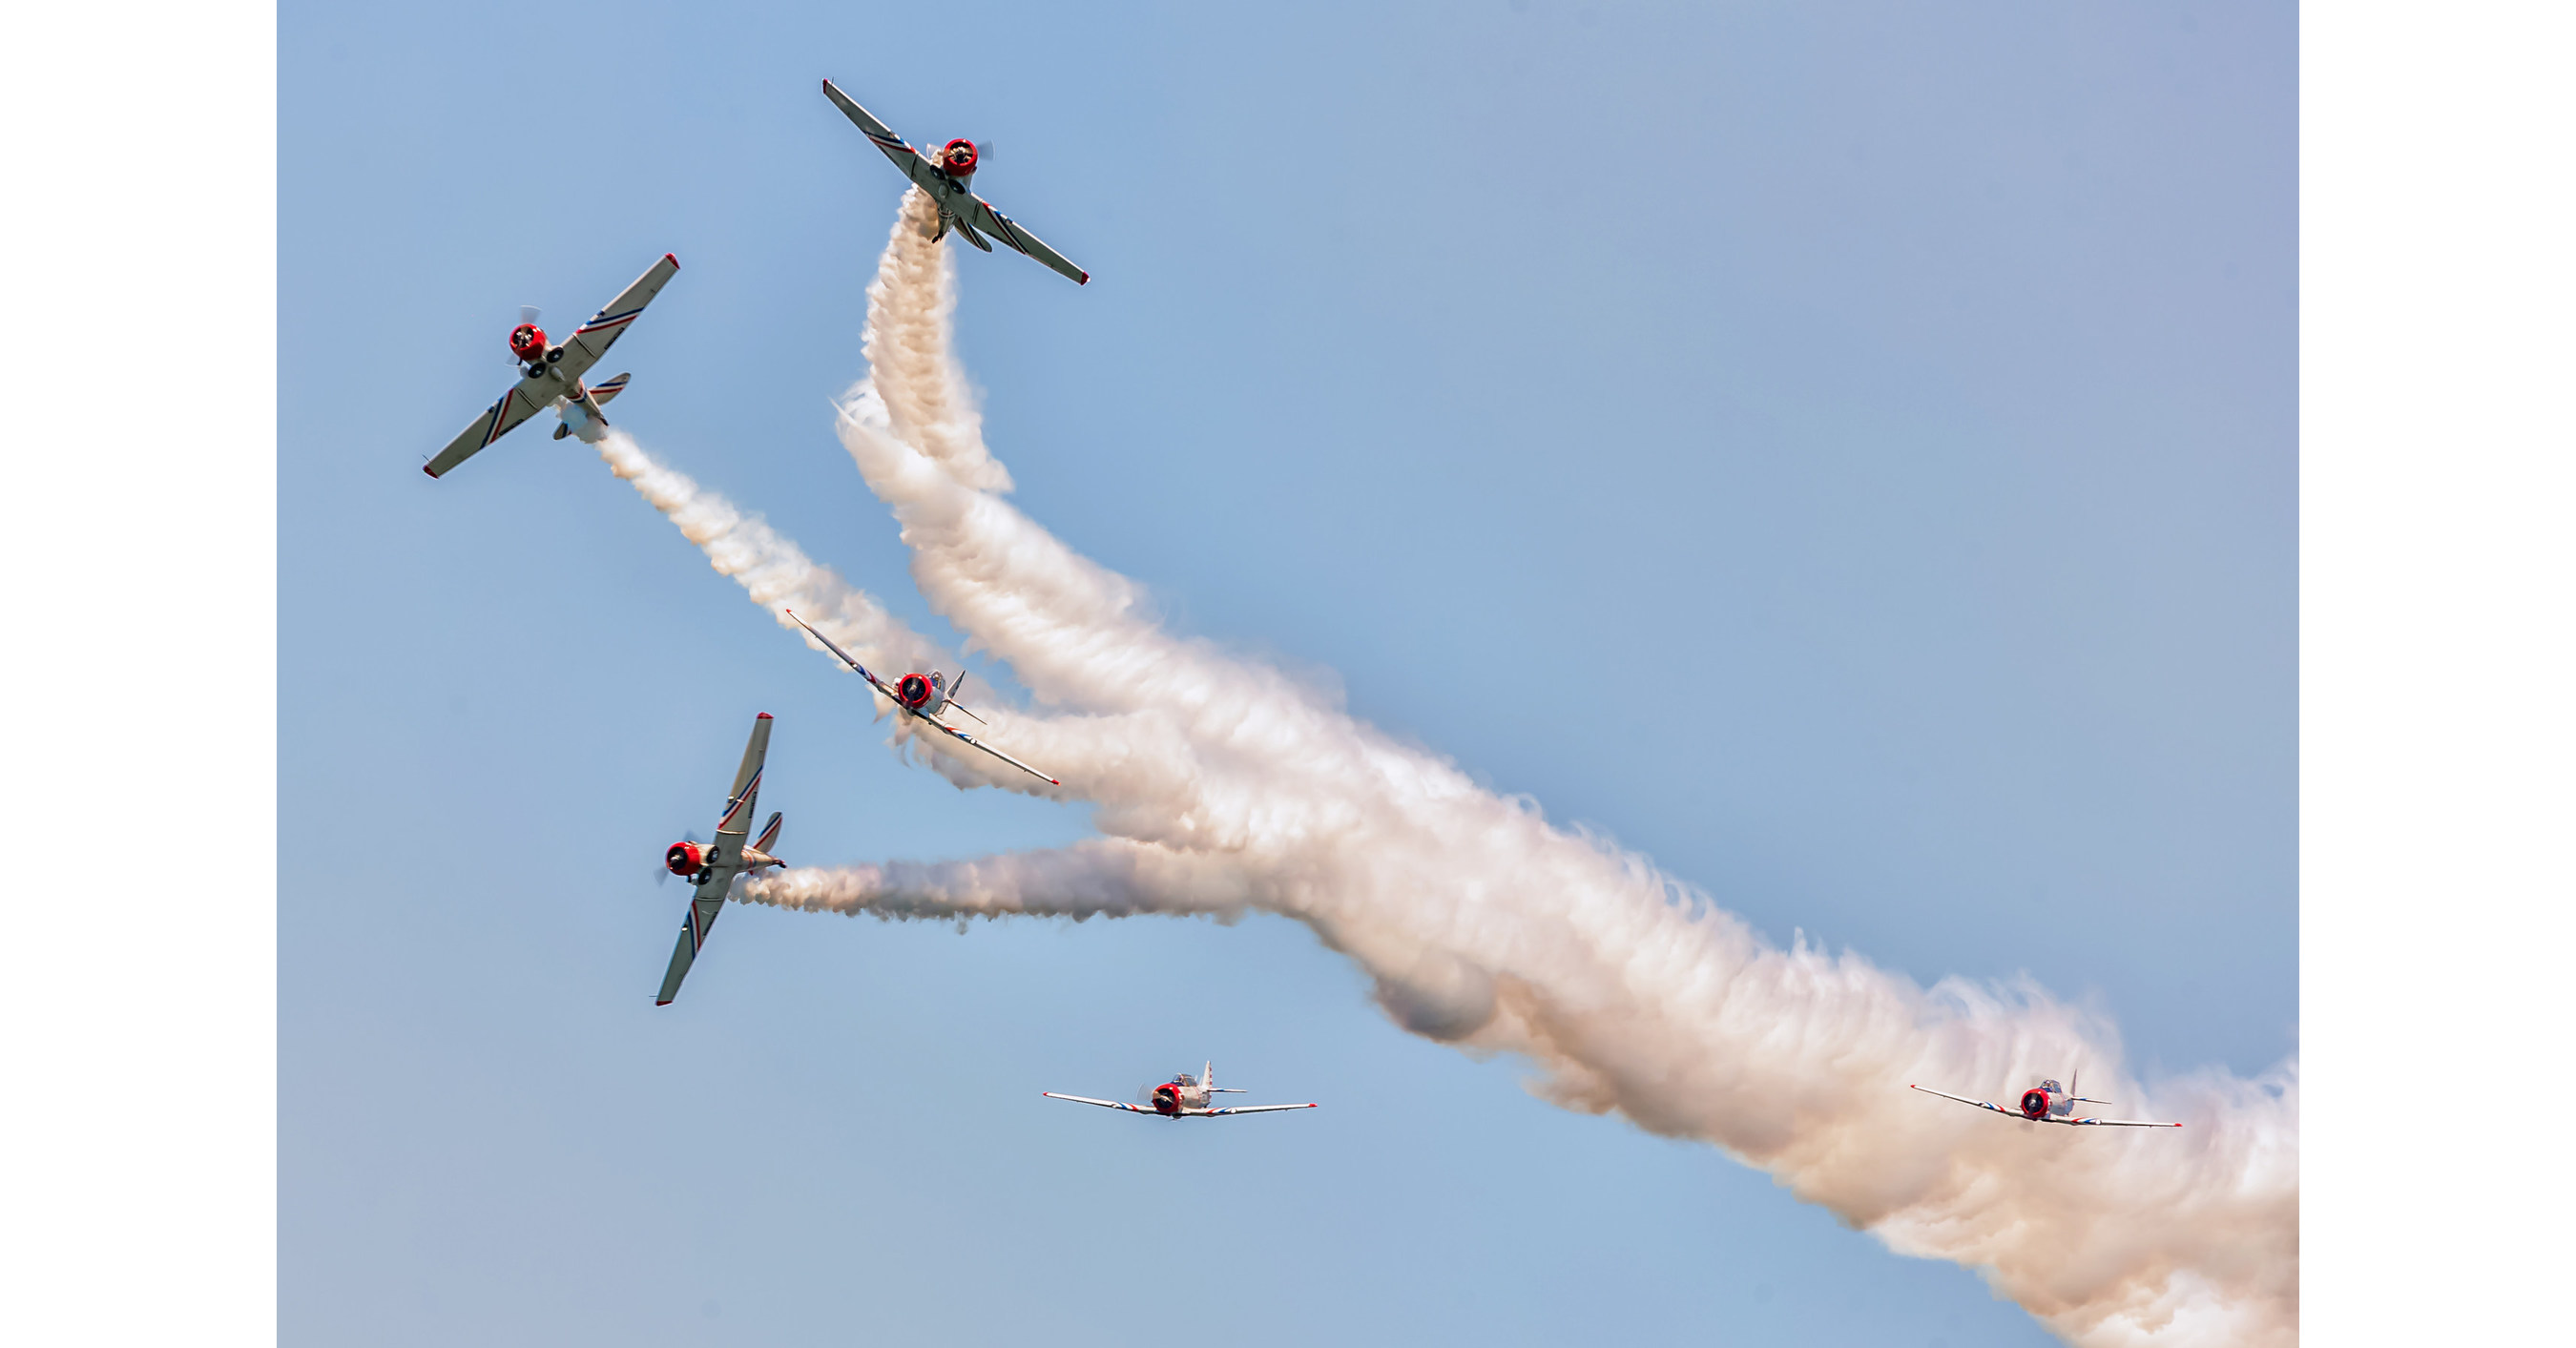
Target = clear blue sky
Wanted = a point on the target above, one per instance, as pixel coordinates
(1879, 423)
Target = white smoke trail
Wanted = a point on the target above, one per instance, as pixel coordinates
(779, 576)
(915, 365)
(1229, 786)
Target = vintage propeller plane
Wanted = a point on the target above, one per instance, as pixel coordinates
(2049, 1102)
(550, 374)
(714, 865)
(923, 697)
(944, 175)
(1183, 1097)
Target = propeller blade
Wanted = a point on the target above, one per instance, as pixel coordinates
(662, 874)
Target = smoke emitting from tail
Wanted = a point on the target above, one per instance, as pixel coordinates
(1225, 787)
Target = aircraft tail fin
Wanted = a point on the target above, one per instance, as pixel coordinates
(607, 389)
(769, 831)
(972, 237)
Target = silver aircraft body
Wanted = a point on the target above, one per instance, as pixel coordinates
(923, 697)
(2048, 1102)
(550, 375)
(944, 174)
(712, 866)
(1182, 1097)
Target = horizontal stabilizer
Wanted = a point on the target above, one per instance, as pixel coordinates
(607, 389)
(769, 834)
(972, 237)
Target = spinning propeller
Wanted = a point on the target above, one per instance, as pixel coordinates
(662, 873)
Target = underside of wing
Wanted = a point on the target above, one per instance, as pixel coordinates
(2123, 1123)
(894, 148)
(1253, 1109)
(1104, 1104)
(745, 796)
(517, 405)
(860, 669)
(591, 340)
(1000, 226)
(694, 926)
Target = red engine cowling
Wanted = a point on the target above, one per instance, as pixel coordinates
(528, 342)
(1167, 1099)
(958, 157)
(912, 690)
(684, 858)
(2034, 1104)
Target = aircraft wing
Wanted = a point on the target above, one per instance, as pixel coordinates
(2016, 1114)
(906, 158)
(980, 213)
(694, 926)
(972, 742)
(591, 340)
(1981, 1104)
(1104, 1104)
(528, 398)
(1252, 1109)
(724, 861)
(862, 670)
(745, 796)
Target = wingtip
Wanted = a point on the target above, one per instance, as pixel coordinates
(673, 259)
(433, 473)
(1083, 280)
(661, 1001)
(764, 716)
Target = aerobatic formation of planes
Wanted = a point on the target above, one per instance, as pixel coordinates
(552, 375)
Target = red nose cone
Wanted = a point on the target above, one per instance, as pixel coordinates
(684, 859)
(913, 689)
(2034, 1104)
(527, 341)
(1166, 1100)
(959, 157)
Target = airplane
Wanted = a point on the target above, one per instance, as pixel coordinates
(2049, 1102)
(1183, 1097)
(922, 697)
(714, 865)
(944, 175)
(550, 375)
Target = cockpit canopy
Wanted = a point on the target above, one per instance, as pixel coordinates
(1185, 1079)
(2049, 1084)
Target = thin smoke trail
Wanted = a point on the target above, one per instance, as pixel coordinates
(780, 577)
(1226, 787)
(773, 571)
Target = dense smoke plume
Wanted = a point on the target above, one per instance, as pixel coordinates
(1225, 786)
